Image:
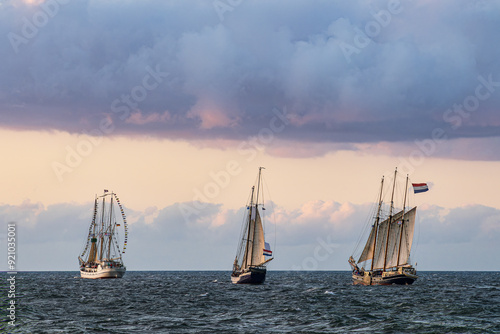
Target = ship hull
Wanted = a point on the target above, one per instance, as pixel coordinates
(103, 273)
(387, 278)
(252, 276)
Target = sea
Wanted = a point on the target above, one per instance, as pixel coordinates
(288, 302)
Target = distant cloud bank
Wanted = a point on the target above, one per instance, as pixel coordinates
(319, 235)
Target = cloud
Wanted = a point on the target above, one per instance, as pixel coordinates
(138, 118)
(397, 82)
(463, 224)
(319, 235)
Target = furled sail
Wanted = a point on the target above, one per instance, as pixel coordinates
(93, 251)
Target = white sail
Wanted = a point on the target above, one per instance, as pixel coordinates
(249, 264)
(378, 260)
(255, 245)
(368, 250)
(407, 227)
(387, 250)
(258, 242)
(249, 232)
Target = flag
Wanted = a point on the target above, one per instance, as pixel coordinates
(267, 250)
(105, 190)
(419, 187)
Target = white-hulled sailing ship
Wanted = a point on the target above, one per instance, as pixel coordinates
(102, 256)
(387, 250)
(250, 263)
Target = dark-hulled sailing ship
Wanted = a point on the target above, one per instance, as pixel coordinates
(387, 250)
(250, 263)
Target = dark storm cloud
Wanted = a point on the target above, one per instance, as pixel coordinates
(345, 72)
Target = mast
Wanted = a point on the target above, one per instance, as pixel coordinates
(258, 187)
(249, 227)
(377, 219)
(109, 227)
(102, 227)
(93, 249)
(253, 222)
(402, 221)
(390, 218)
(255, 231)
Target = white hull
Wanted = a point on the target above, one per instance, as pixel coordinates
(103, 273)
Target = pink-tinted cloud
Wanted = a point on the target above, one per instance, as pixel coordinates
(425, 68)
(138, 118)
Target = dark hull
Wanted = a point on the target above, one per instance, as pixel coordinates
(389, 278)
(252, 276)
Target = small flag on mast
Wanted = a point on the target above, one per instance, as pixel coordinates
(419, 187)
(105, 190)
(267, 250)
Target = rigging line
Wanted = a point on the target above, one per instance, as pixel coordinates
(367, 224)
(244, 220)
(262, 181)
(415, 244)
(245, 225)
(273, 209)
(90, 228)
(124, 219)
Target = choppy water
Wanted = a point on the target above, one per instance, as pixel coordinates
(289, 302)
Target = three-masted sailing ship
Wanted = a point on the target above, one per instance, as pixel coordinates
(387, 250)
(102, 256)
(250, 263)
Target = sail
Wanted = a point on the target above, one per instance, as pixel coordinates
(391, 235)
(406, 229)
(93, 251)
(368, 250)
(249, 232)
(255, 245)
(258, 242)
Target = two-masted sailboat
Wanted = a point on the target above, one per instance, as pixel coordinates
(102, 257)
(250, 263)
(387, 250)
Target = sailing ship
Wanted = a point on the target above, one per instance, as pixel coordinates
(388, 247)
(249, 265)
(102, 256)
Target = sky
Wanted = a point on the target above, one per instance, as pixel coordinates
(174, 105)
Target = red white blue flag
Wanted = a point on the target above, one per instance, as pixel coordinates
(419, 187)
(267, 250)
